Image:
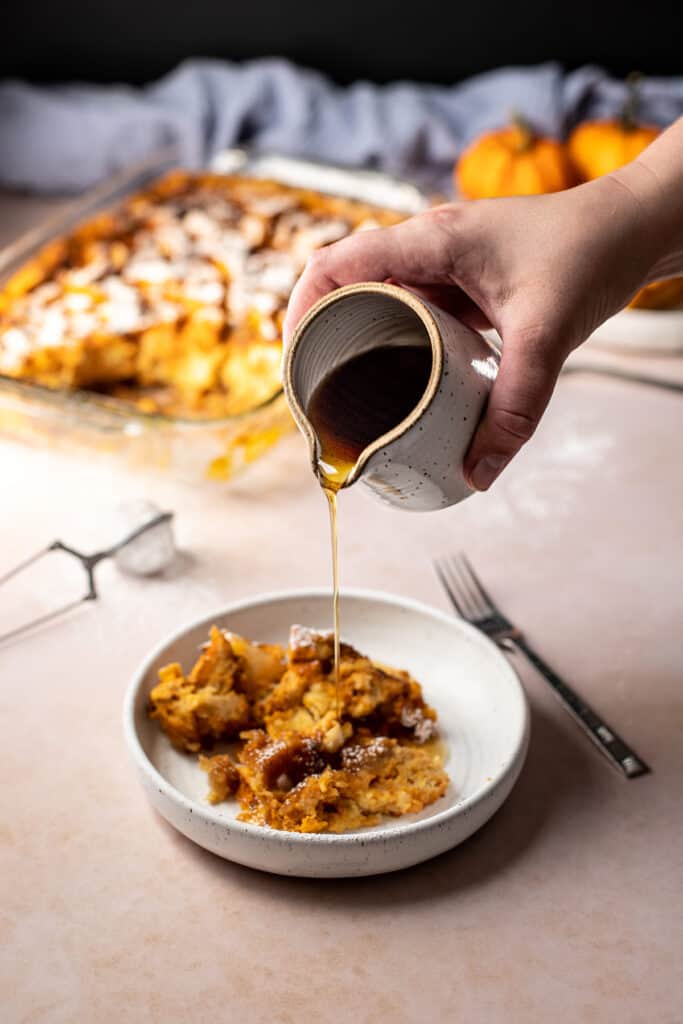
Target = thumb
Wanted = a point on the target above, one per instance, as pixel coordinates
(522, 390)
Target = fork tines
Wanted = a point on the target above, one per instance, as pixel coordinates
(464, 588)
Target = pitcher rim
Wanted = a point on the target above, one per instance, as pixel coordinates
(418, 306)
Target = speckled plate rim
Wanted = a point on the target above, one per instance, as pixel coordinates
(368, 837)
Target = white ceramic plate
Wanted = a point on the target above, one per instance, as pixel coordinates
(641, 330)
(483, 715)
(634, 330)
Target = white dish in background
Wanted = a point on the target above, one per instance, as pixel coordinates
(657, 331)
(483, 716)
(641, 330)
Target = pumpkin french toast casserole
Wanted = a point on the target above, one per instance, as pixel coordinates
(303, 758)
(174, 301)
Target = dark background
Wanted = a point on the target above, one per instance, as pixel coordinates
(125, 40)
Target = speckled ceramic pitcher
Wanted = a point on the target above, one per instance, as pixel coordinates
(418, 464)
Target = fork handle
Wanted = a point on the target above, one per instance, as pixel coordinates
(612, 746)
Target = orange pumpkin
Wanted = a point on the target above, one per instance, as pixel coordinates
(600, 147)
(512, 161)
(660, 295)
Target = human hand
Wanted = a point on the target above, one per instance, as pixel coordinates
(544, 271)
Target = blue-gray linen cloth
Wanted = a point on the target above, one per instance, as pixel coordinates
(66, 138)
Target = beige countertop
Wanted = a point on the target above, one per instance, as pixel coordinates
(567, 906)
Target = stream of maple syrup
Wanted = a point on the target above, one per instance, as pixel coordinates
(357, 402)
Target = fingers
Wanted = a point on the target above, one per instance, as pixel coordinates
(416, 251)
(522, 390)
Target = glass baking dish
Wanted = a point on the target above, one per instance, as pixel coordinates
(192, 449)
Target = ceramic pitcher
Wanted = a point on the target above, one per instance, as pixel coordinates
(418, 464)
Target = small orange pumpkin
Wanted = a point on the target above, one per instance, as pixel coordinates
(600, 147)
(512, 161)
(666, 294)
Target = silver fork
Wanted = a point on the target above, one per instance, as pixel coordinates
(471, 601)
